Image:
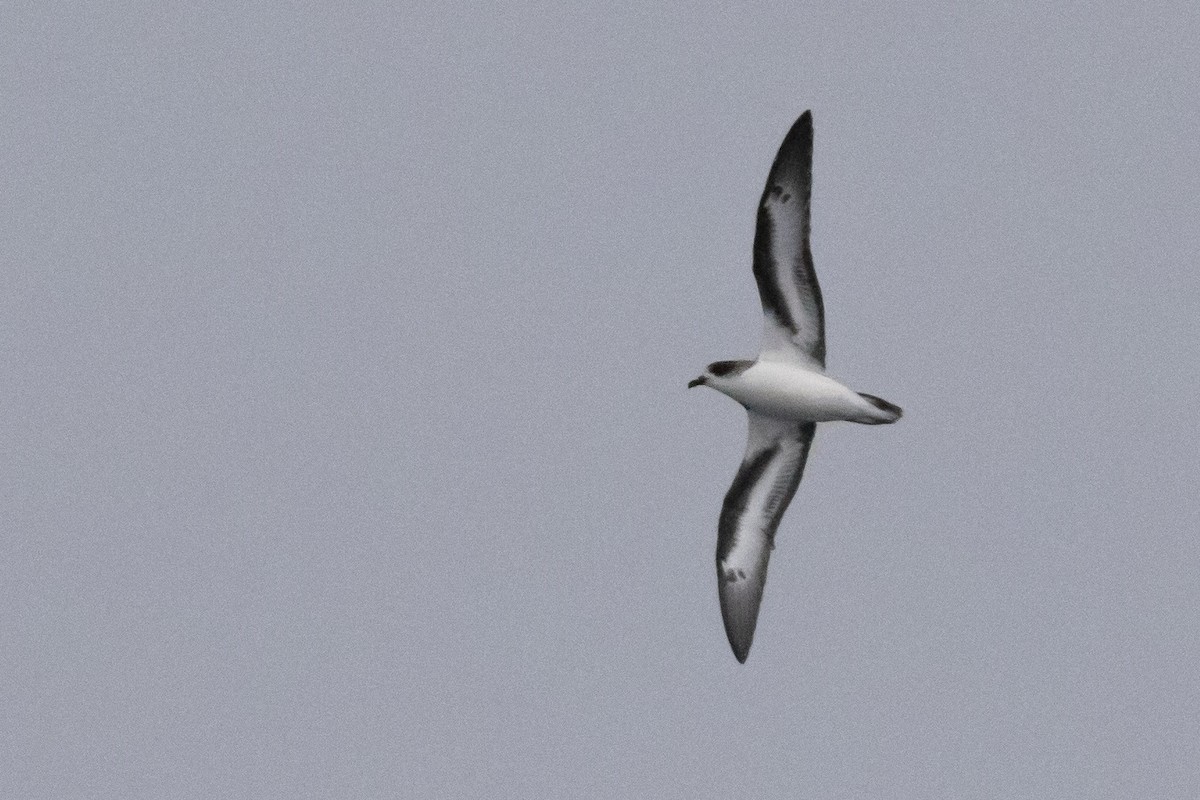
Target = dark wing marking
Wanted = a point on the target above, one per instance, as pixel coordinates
(794, 315)
(764, 485)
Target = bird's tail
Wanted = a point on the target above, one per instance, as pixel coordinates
(888, 412)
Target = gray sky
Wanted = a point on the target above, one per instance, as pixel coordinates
(346, 445)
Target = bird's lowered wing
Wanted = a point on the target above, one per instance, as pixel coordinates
(764, 485)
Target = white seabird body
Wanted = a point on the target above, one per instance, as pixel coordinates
(785, 391)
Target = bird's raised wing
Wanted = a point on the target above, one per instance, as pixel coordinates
(794, 316)
(775, 454)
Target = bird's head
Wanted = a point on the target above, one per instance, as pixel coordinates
(718, 371)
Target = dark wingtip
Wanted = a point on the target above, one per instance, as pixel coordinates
(802, 129)
(740, 641)
(804, 125)
(793, 166)
(740, 615)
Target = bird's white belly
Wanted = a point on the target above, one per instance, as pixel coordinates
(791, 392)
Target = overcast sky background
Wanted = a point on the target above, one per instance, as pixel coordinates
(346, 444)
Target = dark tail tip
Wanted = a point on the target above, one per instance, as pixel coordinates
(894, 410)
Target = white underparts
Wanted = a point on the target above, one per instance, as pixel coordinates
(787, 391)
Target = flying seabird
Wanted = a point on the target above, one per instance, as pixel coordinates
(785, 391)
